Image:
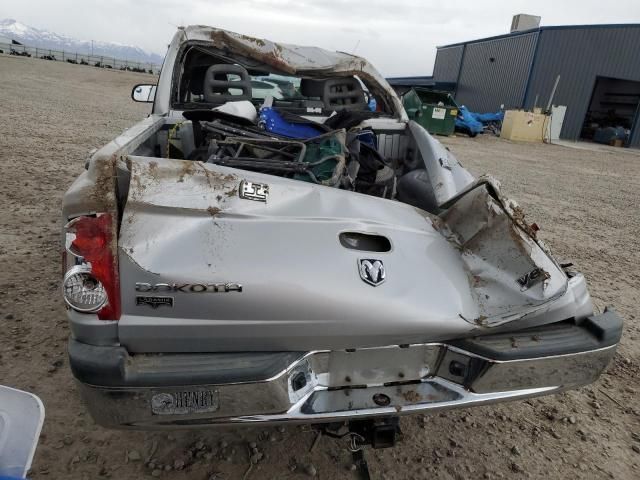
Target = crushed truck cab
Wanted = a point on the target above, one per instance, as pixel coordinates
(278, 242)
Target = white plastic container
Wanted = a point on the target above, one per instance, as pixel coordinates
(21, 418)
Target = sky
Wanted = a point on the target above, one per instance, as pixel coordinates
(398, 36)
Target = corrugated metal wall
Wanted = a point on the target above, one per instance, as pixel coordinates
(579, 56)
(447, 64)
(485, 84)
(634, 141)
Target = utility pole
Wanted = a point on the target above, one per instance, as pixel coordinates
(92, 48)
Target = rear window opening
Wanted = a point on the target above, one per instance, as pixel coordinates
(207, 79)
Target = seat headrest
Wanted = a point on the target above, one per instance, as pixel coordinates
(221, 78)
(336, 93)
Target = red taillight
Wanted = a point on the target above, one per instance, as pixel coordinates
(94, 242)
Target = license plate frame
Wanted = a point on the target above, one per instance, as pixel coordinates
(185, 402)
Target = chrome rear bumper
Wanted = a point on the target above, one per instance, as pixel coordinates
(341, 385)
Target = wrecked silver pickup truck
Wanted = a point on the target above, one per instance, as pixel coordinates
(277, 242)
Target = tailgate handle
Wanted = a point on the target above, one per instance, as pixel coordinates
(365, 241)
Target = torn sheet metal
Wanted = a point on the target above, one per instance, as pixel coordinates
(511, 275)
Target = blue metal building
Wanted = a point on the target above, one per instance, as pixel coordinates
(598, 68)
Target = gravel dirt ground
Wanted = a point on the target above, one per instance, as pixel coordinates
(586, 204)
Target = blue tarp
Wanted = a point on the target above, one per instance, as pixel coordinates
(466, 122)
(485, 118)
(474, 123)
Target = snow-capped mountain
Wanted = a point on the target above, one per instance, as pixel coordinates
(34, 37)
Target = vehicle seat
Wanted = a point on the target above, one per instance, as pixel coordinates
(336, 93)
(220, 80)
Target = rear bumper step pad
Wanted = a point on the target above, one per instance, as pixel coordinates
(597, 331)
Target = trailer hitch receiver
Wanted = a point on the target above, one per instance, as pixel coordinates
(379, 433)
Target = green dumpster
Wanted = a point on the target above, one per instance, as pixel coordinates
(435, 111)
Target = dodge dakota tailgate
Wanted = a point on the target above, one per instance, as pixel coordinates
(218, 259)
